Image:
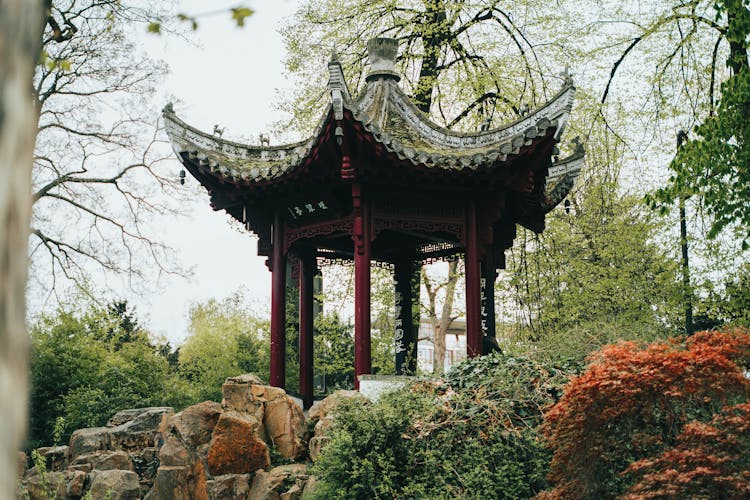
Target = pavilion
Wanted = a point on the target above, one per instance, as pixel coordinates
(378, 181)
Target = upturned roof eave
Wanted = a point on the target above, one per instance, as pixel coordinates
(238, 163)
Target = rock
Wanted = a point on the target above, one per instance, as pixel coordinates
(269, 485)
(237, 445)
(87, 440)
(174, 452)
(57, 458)
(246, 378)
(82, 467)
(23, 464)
(47, 486)
(283, 421)
(141, 431)
(179, 483)
(145, 462)
(75, 480)
(194, 424)
(125, 416)
(238, 397)
(114, 484)
(105, 460)
(228, 486)
(321, 409)
(316, 446)
(292, 493)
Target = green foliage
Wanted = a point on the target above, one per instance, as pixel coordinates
(226, 339)
(594, 276)
(716, 165)
(87, 365)
(334, 352)
(471, 436)
(728, 305)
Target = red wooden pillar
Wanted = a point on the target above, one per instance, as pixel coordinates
(278, 304)
(362, 362)
(473, 286)
(306, 295)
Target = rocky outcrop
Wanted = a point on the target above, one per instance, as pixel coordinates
(85, 441)
(237, 445)
(283, 421)
(140, 431)
(207, 451)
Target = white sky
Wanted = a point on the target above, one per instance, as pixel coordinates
(231, 78)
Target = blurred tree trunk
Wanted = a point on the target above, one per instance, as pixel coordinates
(21, 24)
(441, 324)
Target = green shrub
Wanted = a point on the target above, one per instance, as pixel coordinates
(470, 436)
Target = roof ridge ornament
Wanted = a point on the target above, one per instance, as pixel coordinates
(337, 85)
(382, 53)
(567, 76)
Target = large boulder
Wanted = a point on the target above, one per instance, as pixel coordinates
(75, 481)
(125, 416)
(195, 424)
(238, 445)
(179, 483)
(245, 378)
(114, 484)
(47, 486)
(88, 440)
(237, 395)
(272, 484)
(139, 432)
(322, 409)
(56, 457)
(174, 452)
(105, 460)
(283, 421)
(228, 487)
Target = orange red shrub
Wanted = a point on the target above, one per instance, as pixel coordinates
(633, 402)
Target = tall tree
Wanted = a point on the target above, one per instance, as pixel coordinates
(21, 24)
(599, 272)
(226, 339)
(463, 62)
(96, 174)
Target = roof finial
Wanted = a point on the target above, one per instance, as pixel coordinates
(567, 76)
(382, 54)
(218, 131)
(334, 54)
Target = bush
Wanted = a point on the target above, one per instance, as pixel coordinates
(633, 402)
(87, 365)
(471, 436)
(709, 461)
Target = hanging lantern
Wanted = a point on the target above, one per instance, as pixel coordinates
(182, 177)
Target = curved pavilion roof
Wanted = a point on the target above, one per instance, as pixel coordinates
(385, 116)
